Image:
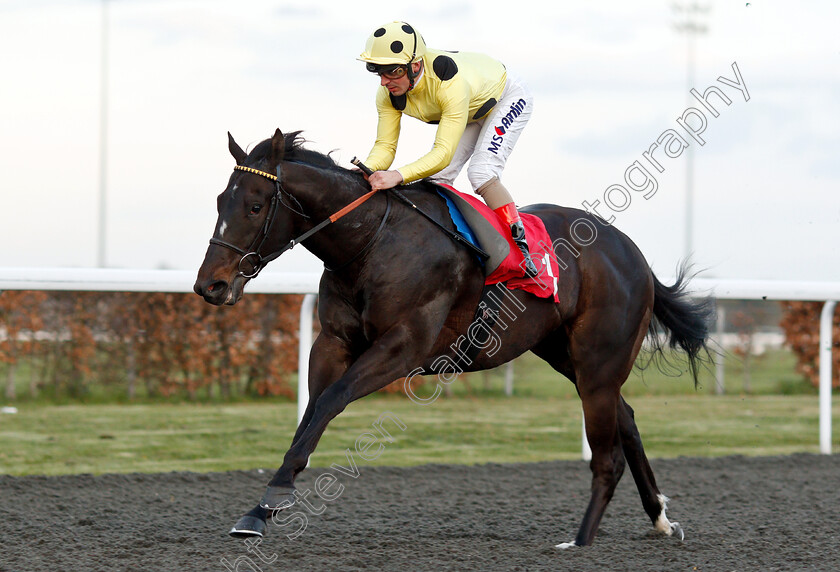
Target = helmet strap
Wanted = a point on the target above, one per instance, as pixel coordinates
(411, 75)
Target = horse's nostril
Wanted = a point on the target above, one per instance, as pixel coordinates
(215, 286)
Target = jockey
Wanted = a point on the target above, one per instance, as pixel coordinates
(480, 111)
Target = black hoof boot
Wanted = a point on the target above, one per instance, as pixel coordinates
(517, 232)
(250, 525)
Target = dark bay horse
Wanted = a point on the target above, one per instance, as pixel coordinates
(397, 293)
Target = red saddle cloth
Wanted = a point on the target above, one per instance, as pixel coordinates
(511, 271)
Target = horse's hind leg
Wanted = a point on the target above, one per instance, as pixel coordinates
(607, 464)
(653, 501)
(598, 390)
(602, 361)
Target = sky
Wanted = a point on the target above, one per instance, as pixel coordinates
(609, 80)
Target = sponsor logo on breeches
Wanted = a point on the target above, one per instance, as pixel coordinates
(516, 109)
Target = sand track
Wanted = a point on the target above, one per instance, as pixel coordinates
(770, 513)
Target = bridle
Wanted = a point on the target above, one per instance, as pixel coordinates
(252, 253)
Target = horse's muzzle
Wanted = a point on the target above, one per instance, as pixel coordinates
(220, 292)
(214, 292)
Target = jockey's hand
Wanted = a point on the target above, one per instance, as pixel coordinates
(385, 180)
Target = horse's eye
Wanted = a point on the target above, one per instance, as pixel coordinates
(255, 209)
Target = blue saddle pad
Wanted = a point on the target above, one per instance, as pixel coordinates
(461, 225)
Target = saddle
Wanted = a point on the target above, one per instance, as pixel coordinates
(480, 226)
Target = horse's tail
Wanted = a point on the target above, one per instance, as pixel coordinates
(685, 320)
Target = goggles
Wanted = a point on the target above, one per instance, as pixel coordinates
(388, 71)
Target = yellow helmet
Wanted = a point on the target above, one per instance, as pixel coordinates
(394, 43)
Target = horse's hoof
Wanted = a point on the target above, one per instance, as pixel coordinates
(278, 498)
(676, 530)
(248, 526)
(566, 545)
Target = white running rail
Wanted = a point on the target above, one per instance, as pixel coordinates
(116, 280)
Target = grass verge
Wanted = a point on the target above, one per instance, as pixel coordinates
(54, 440)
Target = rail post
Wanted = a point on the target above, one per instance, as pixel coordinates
(304, 346)
(826, 341)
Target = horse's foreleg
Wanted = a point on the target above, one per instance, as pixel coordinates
(389, 358)
(329, 360)
(653, 501)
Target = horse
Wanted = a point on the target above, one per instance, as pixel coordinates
(396, 293)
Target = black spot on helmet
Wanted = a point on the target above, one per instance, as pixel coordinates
(394, 43)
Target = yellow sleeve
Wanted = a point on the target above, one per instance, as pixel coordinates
(455, 108)
(387, 133)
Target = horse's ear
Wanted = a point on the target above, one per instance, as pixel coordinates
(236, 150)
(278, 147)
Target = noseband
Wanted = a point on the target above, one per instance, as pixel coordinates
(252, 254)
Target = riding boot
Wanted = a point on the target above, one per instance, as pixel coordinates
(517, 232)
(510, 216)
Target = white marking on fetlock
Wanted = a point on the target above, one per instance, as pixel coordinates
(565, 545)
(662, 523)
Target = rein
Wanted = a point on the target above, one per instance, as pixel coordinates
(261, 261)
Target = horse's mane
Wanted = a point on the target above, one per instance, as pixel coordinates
(294, 151)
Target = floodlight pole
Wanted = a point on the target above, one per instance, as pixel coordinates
(103, 140)
(688, 23)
